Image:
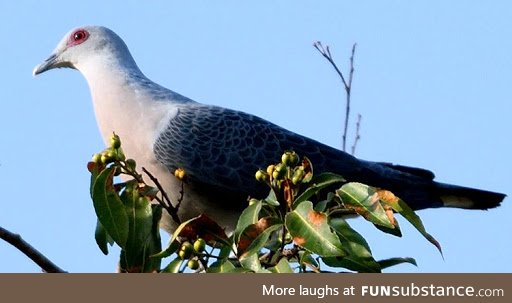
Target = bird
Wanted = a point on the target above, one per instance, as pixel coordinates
(219, 148)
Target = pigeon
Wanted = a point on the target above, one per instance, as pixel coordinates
(220, 149)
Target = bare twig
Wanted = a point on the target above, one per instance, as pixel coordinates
(182, 193)
(326, 53)
(34, 255)
(171, 209)
(357, 135)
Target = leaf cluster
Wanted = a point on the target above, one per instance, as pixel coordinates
(301, 226)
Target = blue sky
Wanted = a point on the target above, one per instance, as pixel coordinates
(432, 82)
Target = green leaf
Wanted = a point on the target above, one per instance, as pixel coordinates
(255, 236)
(311, 230)
(180, 228)
(347, 234)
(109, 207)
(95, 169)
(153, 242)
(140, 218)
(359, 257)
(144, 236)
(395, 231)
(101, 237)
(249, 216)
(403, 209)
(395, 261)
(241, 270)
(174, 266)
(305, 257)
(271, 199)
(283, 266)
(318, 183)
(365, 201)
(251, 262)
(226, 249)
(171, 248)
(321, 206)
(221, 266)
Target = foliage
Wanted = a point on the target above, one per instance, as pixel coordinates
(299, 227)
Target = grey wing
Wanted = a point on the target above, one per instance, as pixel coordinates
(224, 148)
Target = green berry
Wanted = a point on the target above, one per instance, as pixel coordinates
(105, 159)
(199, 245)
(290, 158)
(279, 171)
(183, 255)
(115, 141)
(298, 175)
(185, 250)
(96, 158)
(270, 169)
(193, 264)
(110, 155)
(261, 176)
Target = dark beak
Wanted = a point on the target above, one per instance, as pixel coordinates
(51, 62)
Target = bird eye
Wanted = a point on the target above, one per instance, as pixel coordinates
(78, 37)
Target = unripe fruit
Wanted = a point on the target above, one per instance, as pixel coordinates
(279, 171)
(290, 158)
(115, 141)
(261, 176)
(111, 154)
(183, 255)
(96, 158)
(199, 245)
(298, 175)
(105, 159)
(288, 238)
(193, 264)
(270, 169)
(185, 250)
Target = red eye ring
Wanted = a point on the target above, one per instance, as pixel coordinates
(78, 36)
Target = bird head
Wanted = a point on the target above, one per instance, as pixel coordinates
(83, 44)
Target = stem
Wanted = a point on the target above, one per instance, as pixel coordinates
(326, 53)
(173, 211)
(358, 136)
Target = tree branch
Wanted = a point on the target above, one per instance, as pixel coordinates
(326, 53)
(38, 258)
(167, 204)
(357, 135)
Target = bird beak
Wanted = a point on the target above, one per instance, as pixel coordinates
(46, 65)
(52, 62)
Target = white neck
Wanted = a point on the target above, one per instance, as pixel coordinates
(124, 106)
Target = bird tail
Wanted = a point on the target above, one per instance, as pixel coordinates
(468, 198)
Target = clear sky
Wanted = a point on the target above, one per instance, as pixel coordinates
(432, 82)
